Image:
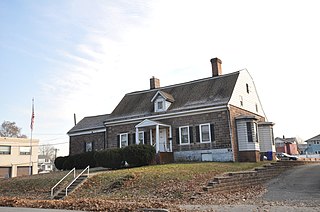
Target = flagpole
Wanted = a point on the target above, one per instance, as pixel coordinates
(31, 128)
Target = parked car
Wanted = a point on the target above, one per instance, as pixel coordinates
(285, 156)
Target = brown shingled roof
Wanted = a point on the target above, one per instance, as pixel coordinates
(90, 123)
(208, 92)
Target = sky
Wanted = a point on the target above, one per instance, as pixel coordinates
(82, 56)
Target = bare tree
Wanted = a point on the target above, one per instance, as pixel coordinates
(48, 151)
(10, 129)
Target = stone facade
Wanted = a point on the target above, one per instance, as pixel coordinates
(78, 142)
(218, 120)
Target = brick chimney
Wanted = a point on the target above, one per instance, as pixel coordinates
(154, 83)
(216, 67)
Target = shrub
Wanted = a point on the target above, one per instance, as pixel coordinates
(69, 163)
(58, 162)
(139, 155)
(79, 161)
(110, 158)
(85, 159)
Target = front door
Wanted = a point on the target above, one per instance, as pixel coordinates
(163, 140)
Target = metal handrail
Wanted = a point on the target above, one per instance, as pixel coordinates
(74, 175)
(88, 167)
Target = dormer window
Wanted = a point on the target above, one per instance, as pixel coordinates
(160, 105)
(162, 101)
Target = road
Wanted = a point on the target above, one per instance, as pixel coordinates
(296, 190)
(298, 184)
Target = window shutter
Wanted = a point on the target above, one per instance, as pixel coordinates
(197, 134)
(177, 136)
(134, 138)
(212, 132)
(92, 146)
(146, 135)
(129, 139)
(85, 146)
(118, 141)
(191, 134)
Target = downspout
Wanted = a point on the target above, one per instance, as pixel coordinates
(231, 134)
(105, 143)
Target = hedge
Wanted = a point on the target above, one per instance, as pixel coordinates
(111, 158)
(139, 155)
(134, 155)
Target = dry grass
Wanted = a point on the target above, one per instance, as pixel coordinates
(170, 182)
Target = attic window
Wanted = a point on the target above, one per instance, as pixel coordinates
(247, 86)
(160, 105)
(162, 101)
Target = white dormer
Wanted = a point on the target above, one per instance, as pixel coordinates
(162, 101)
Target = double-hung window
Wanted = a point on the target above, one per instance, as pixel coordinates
(141, 137)
(123, 140)
(205, 135)
(5, 150)
(25, 150)
(184, 135)
(89, 146)
(249, 132)
(252, 132)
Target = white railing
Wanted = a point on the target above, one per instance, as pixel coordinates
(88, 167)
(74, 175)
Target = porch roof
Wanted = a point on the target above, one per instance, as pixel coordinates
(149, 123)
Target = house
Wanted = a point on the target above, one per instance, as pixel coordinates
(18, 157)
(287, 145)
(45, 164)
(218, 118)
(88, 135)
(313, 145)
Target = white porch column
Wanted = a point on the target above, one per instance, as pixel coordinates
(137, 135)
(151, 137)
(170, 136)
(157, 139)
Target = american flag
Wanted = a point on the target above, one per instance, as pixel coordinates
(32, 116)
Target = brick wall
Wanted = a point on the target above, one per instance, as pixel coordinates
(77, 143)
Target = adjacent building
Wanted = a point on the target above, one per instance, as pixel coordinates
(313, 147)
(287, 145)
(45, 164)
(18, 157)
(218, 118)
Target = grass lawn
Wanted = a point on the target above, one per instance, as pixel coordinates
(30, 187)
(169, 182)
(158, 186)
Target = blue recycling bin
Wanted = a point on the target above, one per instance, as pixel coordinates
(269, 155)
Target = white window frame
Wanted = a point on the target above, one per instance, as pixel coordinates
(87, 146)
(200, 131)
(5, 152)
(127, 139)
(140, 141)
(180, 135)
(23, 151)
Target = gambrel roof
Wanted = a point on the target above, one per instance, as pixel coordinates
(90, 123)
(202, 93)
